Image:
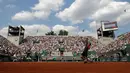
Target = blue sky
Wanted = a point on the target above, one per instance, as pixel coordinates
(71, 15)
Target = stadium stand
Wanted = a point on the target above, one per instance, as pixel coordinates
(48, 47)
(118, 44)
(7, 49)
(51, 44)
(119, 48)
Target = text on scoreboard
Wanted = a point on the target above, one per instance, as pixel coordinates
(107, 26)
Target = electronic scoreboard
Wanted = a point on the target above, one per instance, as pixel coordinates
(107, 26)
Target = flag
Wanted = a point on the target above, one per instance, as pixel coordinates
(37, 30)
(125, 10)
(83, 30)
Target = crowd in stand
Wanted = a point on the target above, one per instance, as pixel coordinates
(118, 44)
(53, 43)
(7, 48)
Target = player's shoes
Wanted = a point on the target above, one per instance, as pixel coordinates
(85, 61)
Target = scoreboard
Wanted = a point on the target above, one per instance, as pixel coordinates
(107, 26)
(107, 29)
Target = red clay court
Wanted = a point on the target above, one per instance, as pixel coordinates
(64, 67)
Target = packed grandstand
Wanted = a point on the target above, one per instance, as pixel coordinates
(45, 47)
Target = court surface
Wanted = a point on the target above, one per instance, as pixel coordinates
(64, 67)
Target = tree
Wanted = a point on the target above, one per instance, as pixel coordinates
(50, 33)
(63, 32)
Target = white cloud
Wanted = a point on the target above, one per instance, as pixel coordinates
(71, 29)
(114, 11)
(10, 6)
(36, 29)
(110, 12)
(62, 27)
(48, 5)
(74, 30)
(23, 16)
(30, 30)
(97, 10)
(41, 29)
(26, 15)
(124, 19)
(81, 9)
(42, 10)
(4, 31)
(95, 25)
(41, 14)
(87, 33)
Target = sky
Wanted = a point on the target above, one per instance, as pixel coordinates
(71, 15)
